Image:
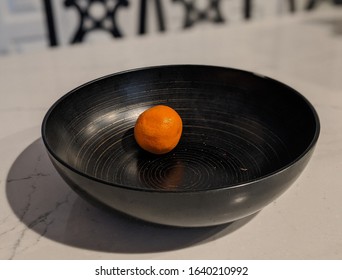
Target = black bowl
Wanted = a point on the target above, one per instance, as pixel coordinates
(245, 139)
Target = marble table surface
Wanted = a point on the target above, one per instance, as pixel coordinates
(42, 218)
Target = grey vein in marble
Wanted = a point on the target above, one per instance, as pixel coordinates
(25, 204)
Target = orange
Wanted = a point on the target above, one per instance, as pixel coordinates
(158, 129)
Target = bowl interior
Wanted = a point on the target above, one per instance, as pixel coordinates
(238, 127)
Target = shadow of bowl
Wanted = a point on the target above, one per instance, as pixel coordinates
(45, 204)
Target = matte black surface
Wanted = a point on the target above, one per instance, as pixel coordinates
(245, 140)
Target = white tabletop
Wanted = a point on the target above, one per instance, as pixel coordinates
(42, 218)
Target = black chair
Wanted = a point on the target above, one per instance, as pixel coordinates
(89, 22)
(193, 14)
(107, 22)
(50, 23)
(143, 16)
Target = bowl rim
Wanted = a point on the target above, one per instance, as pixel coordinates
(310, 147)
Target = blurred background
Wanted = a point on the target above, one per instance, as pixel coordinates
(31, 25)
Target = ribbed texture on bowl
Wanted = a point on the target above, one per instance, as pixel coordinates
(239, 128)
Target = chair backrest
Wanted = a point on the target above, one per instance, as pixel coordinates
(193, 14)
(90, 20)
